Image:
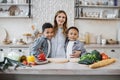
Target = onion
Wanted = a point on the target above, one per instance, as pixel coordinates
(13, 56)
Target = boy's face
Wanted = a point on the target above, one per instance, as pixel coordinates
(72, 34)
(48, 33)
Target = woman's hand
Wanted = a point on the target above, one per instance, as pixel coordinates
(76, 54)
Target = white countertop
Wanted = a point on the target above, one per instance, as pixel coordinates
(67, 69)
(102, 46)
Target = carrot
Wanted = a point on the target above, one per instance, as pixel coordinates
(102, 63)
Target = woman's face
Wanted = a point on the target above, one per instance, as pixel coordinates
(72, 34)
(61, 18)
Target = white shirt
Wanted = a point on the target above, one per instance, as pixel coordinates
(49, 47)
(69, 48)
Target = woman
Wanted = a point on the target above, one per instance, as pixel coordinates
(58, 41)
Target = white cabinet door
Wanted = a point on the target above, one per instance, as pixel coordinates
(111, 52)
(24, 51)
(4, 50)
(91, 49)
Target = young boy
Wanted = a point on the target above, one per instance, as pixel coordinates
(73, 47)
(43, 43)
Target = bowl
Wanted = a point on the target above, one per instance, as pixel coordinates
(111, 41)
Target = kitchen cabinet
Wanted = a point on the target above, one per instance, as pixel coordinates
(24, 49)
(3, 53)
(111, 50)
(15, 9)
(97, 10)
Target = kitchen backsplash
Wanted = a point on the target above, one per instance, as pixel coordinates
(44, 11)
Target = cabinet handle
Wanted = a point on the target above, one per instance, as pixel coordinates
(112, 50)
(20, 50)
(1, 49)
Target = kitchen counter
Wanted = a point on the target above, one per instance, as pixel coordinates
(14, 46)
(86, 45)
(102, 46)
(68, 69)
(64, 71)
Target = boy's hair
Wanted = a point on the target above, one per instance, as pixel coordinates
(46, 25)
(72, 28)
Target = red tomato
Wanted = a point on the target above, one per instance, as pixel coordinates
(104, 56)
(25, 62)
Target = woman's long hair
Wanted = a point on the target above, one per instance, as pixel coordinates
(64, 25)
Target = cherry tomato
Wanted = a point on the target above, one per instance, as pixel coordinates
(104, 56)
(25, 62)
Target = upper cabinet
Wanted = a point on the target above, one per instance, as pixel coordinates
(97, 9)
(15, 8)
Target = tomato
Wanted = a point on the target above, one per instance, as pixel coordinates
(104, 56)
(25, 62)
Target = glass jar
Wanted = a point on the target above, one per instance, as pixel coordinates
(110, 3)
(99, 39)
(87, 38)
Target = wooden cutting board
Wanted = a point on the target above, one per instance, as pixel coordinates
(62, 60)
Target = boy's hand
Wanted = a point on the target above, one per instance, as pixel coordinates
(76, 54)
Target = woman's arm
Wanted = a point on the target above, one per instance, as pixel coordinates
(78, 49)
(76, 54)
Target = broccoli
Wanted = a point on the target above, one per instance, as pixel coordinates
(90, 58)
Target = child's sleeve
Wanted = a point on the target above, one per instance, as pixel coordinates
(36, 46)
(80, 47)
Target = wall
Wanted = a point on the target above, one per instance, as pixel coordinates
(44, 11)
(16, 27)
